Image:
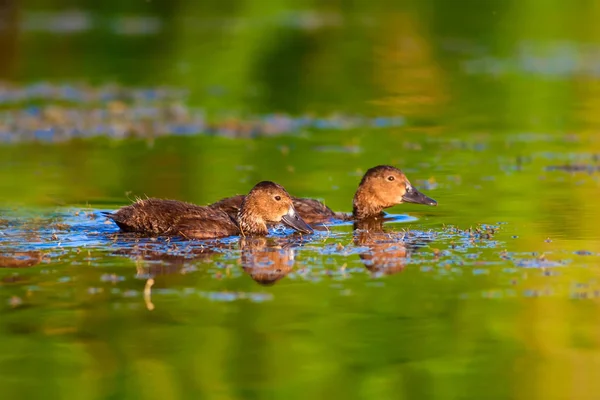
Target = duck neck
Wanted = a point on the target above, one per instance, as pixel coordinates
(251, 224)
(363, 207)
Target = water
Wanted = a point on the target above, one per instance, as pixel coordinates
(441, 311)
(490, 110)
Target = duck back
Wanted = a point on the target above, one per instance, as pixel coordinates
(230, 205)
(313, 211)
(171, 217)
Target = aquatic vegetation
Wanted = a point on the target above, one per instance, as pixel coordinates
(66, 112)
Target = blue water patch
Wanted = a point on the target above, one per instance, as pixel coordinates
(399, 218)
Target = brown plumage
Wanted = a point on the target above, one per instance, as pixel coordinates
(312, 211)
(381, 187)
(266, 203)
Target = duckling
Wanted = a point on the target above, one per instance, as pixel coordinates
(267, 203)
(381, 187)
(311, 210)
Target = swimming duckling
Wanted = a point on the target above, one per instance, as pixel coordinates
(381, 187)
(267, 203)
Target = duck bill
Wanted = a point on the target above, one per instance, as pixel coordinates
(414, 196)
(293, 220)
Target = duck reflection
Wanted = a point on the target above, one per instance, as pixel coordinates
(169, 259)
(20, 259)
(267, 260)
(388, 251)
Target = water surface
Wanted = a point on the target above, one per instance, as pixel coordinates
(489, 109)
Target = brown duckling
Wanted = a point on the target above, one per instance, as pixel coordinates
(311, 210)
(267, 203)
(381, 187)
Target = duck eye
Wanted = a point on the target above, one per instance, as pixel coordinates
(277, 198)
(390, 178)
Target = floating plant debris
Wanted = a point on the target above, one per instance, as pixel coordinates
(574, 168)
(56, 113)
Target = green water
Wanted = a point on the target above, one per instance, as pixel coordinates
(491, 295)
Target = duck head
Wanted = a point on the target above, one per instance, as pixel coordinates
(269, 203)
(382, 187)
